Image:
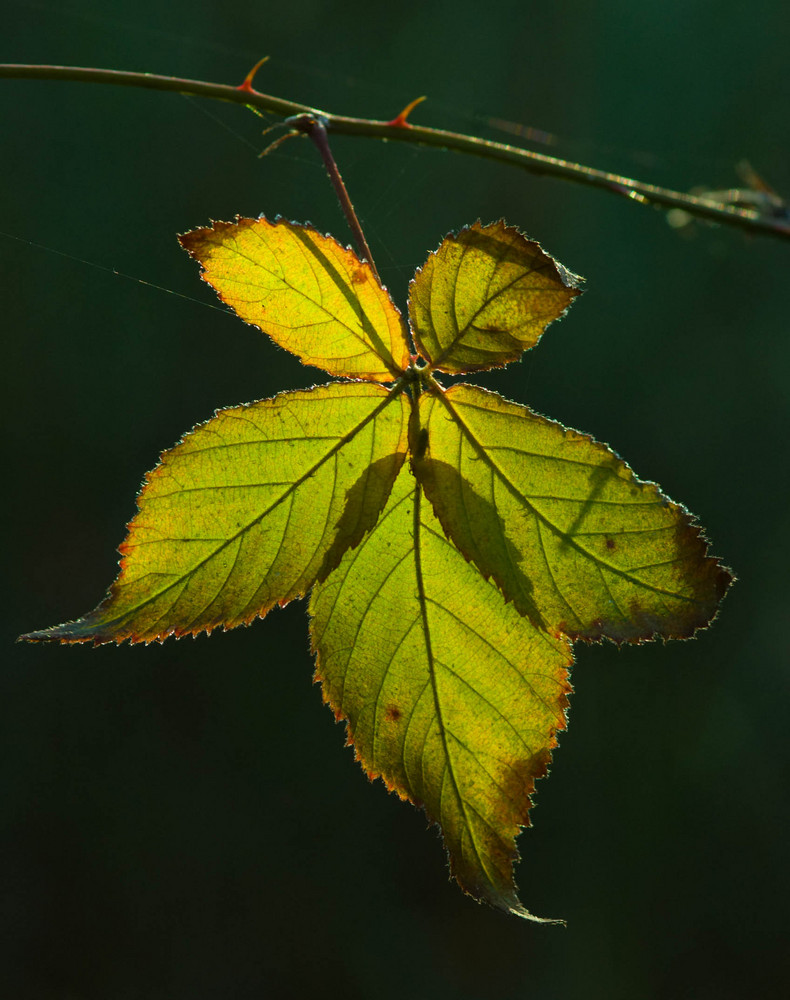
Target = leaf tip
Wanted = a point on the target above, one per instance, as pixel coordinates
(524, 914)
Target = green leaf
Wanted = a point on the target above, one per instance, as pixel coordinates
(310, 294)
(451, 696)
(248, 510)
(485, 297)
(441, 626)
(562, 524)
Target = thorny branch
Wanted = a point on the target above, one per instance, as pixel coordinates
(768, 219)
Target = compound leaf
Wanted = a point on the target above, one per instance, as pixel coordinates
(451, 696)
(484, 297)
(563, 525)
(310, 294)
(444, 595)
(248, 510)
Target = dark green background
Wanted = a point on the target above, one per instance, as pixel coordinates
(182, 821)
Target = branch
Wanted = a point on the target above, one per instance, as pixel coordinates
(400, 130)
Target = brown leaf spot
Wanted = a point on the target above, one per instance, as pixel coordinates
(518, 782)
(610, 543)
(393, 713)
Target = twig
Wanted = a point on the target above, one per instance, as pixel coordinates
(400, 130)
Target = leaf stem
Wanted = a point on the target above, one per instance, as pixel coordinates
(747, 219)
(313, 126)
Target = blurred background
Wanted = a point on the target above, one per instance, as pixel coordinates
(183, 821)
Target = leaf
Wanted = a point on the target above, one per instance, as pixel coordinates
(485, 297)
(562, 524)
(451, 696)
(445, 594)
(310, 294)
(248, 510)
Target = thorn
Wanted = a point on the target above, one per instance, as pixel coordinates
(246, 84)
(400, 121)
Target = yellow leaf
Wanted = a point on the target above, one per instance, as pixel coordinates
(484, 297)
(451, 696)
(248, 510)
(563, 525)
(311, 295)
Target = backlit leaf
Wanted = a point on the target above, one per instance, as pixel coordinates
(248, 510)
(445, 592)
(310, 294)
(485, 297)
(451, 696)
(562, 524)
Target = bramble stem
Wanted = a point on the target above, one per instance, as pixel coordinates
(313, 126)
(397, 131)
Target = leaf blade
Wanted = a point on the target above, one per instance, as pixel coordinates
(248, 510)
(484, 297)
(451, 696)
(312, 296)
(575, 540)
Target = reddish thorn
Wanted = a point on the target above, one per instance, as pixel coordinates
(246, 84)
(400, 121)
